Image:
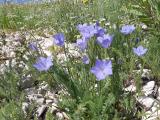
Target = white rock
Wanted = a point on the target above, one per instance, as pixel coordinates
(147, 102)
(17, 37)
(48, 53)
(40, 101)
(41, 110)
(146, 73)
(25, 106)
(148, 88)
(59, 116)
(65, 116)
(108, 24)
(31, 98)
(54, 104)
(55, 100)
(34, 97)
(45, 87)
(144, 27)
(62, 57)
(131, 88)
(72, 50)
(48, 42)
(74, 53)
(53, 109)
(50, 95)
(158, 97)
(155, 107)
(49, 101)
(71, 46)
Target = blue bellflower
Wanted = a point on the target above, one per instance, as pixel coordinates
(85, 59)
(127, 29)
(105, 40)
(43, 64)
(140, 50)
(102, 69)
(59, 39)
(99, 30)
(87, 31)
(82, 43)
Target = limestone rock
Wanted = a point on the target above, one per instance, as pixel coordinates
(59, 115)
(41, 110)
(146, 102)
(148, 88)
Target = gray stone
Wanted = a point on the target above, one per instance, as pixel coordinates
(40, 101)
(27, 82)
(30, 91)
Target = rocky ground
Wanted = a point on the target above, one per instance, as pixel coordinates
(44, 99)
(41, 97)
(149, 98)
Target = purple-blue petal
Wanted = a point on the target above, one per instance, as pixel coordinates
(102, 69)
(59, 39)
(43, 64)
(140, 50)
(85, 59)
(127, 29)
(105, 41)
(87, 31)
(82, 43)
(99, 30)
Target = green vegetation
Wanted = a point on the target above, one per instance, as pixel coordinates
(84, 101)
